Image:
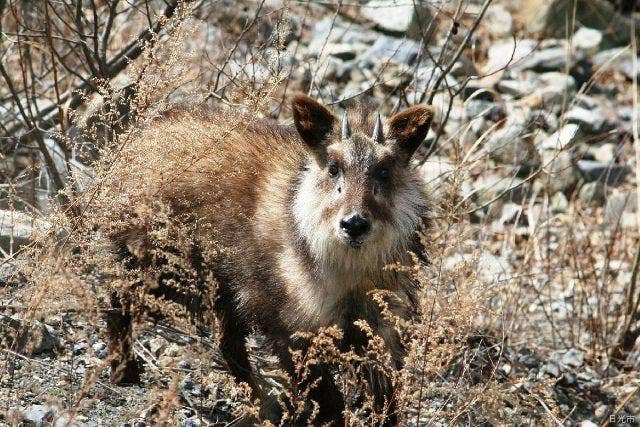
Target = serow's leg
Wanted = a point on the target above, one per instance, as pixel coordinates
(124, 367)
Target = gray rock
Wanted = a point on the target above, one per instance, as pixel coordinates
(512, 214)
(549, 18)
(559, 203)
(608, 173)
(399, 16)
(435, 170)
(16, 228)
(29, 337)
(328, 32)
(559, 172)
(556, 89)
(505, 54)
(387, 48)
(593, 193)
(489, 187)
(591, 121)
(191, 422)
(344, 51)
(491, 269)
(480, 108)
(187, 385)
(549, 59)
(618, 203)
(508, 146)
(498, 20)
(10, 273)
(550, 368)
(99, 345)
(587, 40)
(80, 347)
(561, 81)
(38, 415)
(572, 358)
(606, 153)
(618, 59)
(82, 175)
(563, 138)
(516, 88)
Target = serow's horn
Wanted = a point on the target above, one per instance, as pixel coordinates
(377, 131)
(346, 129)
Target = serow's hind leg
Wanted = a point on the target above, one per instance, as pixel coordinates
(124, 367)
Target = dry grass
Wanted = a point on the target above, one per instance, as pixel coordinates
(457, 345)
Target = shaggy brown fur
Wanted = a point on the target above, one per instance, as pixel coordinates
(276, 199)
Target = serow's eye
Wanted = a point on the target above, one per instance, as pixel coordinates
(334, 169)
(383, 173)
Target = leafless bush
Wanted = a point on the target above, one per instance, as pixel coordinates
(80, 81)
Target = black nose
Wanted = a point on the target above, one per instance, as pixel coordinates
(355, 225)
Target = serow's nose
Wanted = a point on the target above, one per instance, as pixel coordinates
(355, 225)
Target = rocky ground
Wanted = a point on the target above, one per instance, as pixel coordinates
(532, 150)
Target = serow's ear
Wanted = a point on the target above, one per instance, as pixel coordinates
(313, 121)
(408, 128)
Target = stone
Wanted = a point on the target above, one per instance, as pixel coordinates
(39, 415)
(498, 20)
(507, 53)
(491, 269)
(16, 229)
(608, 173)
(549, 59)
(618, 59)
(550, 368)
(593, 193)
(480, 108)
(387, 48)
(80, 347)
(563, 138)
(559, 172)
(10, 273)
(156, 346)
(404, 17)
(618, 203)
(516, 88)
(328, 31)
(573, 358)
(606, 153)
(191, 422)
(435, 170)
(29, 337)
(508, 146)
(556, 89)
(82, 174)
(100, 349)
(561, 80)
(559, 203)
(343, 51)
(489, 187)
(512, 214)
(549, 17)
(587, 40)
(591, 121)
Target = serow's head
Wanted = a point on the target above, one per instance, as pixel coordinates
(358, 188)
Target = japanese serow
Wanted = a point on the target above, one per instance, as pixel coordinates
(310, 217)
